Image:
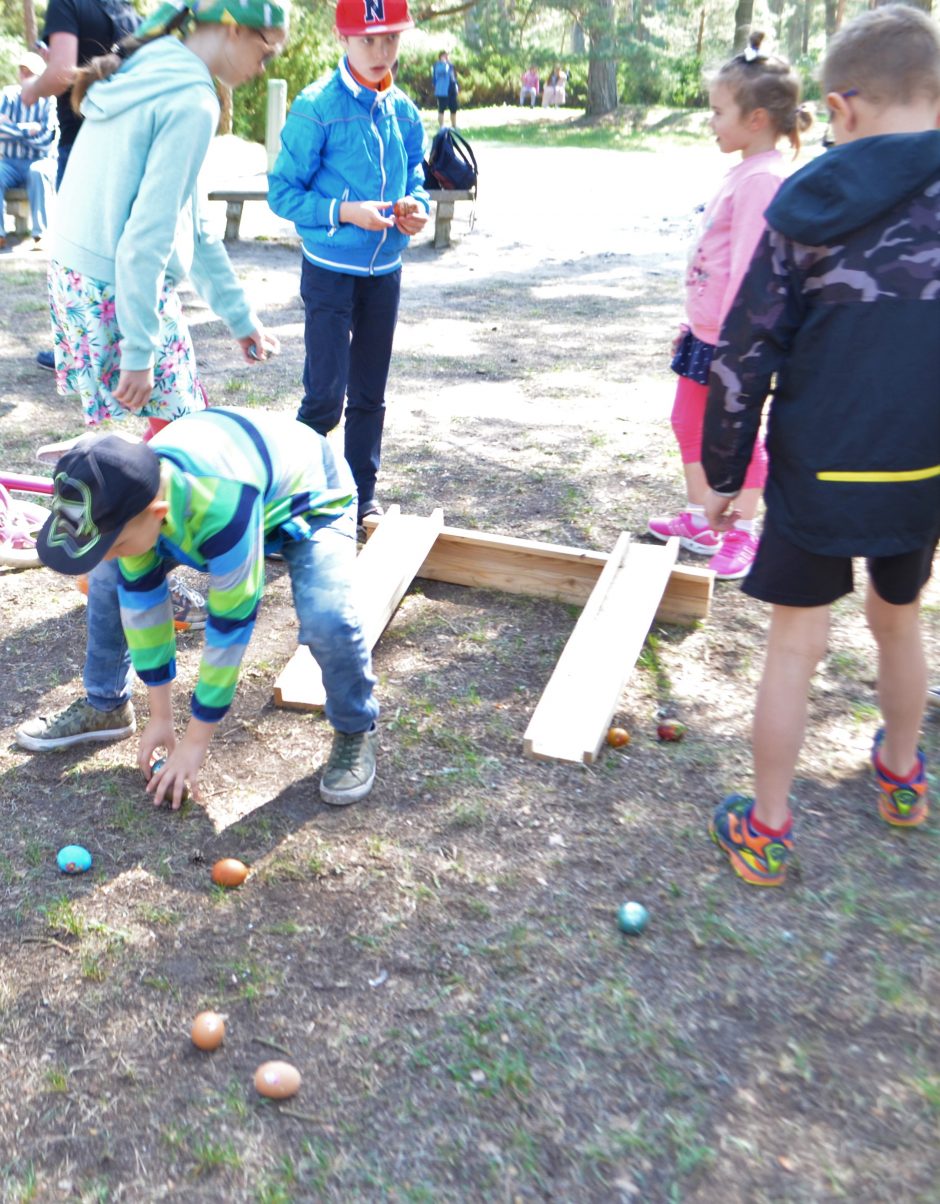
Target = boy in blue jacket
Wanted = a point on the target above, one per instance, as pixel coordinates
(350, 178)
(841, 305)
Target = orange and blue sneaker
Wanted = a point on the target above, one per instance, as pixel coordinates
(901, 801)
(755, 857)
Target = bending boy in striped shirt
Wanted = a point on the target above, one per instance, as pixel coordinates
(215, 490)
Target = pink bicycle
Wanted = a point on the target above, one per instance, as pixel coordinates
(20, 520)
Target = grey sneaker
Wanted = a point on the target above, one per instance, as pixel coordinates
(189, 606)
(350, 771)
(77, 724)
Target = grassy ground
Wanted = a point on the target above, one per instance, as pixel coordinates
(442, 962)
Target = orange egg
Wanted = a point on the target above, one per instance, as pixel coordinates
(277, 1080)
(229, 872)
(208, 1031)
(617, 737)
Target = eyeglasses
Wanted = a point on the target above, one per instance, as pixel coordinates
(273, 52)
(845, 96)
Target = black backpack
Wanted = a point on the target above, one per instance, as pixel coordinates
(451, 163)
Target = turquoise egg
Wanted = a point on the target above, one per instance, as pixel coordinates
(632, 918)
(73, 859)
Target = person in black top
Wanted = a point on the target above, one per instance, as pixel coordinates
(76, 31)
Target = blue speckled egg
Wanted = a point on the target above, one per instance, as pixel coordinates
(73, 859)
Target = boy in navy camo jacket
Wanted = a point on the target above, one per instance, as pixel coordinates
(842, 305)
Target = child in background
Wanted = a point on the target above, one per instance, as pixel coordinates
(350, 178)
(215, 490)
(755, 102)
(444, 79)
(128, 228)
(840, 305)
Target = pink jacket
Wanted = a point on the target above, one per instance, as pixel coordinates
(731, 230)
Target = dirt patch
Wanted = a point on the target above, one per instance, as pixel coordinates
(442, 961)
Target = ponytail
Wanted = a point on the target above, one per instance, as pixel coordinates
(103, 66)
(761, 81)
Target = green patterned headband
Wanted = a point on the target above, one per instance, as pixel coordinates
(171, 15)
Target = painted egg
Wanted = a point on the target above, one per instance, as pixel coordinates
(229, 872)
(632, 918)
(73, 859)
(671, 730)
(277, 1080)
(208, 1031)
(617, 737)
(157, 766)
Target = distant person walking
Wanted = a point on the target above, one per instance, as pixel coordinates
(530, 87)
(27, 145)
(445, 88)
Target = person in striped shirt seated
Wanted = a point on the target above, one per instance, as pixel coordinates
(27, 146)
(215, 490)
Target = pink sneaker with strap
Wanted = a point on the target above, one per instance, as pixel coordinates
(703, 541)
(736, 555)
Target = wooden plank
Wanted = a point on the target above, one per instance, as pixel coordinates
(545, 570)
(574, 712)
(384, 569)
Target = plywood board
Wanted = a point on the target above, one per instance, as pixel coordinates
(574, 712)
(384, 569)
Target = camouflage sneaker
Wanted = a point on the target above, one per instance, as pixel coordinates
(189, 606)
(79, 723)
(350, 771)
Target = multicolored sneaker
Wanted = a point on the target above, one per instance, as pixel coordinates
(736, 556)
(703, 541)
(760, 860)
(189, 606)
(902, 802)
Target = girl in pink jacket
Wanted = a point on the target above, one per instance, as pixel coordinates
(755, 102)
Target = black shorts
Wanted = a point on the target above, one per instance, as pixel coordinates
(786, 575)
(447, 102)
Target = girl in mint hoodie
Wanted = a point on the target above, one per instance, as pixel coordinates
(128, 228)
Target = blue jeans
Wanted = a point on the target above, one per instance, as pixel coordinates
(320, 574)
(348, 332)
(36, 176)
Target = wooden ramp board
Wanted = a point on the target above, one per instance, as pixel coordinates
(546, 570)
(574, 712)
(385, 567)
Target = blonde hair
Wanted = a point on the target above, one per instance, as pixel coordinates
(760, 81)
(889, 55)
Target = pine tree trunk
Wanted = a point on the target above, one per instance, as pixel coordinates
(29, 22)
(599, 25)
(743, 16)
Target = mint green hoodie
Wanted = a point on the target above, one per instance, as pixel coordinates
(128, 210)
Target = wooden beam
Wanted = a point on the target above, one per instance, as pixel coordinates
(574, 712)
(546, 570)
(384, 569)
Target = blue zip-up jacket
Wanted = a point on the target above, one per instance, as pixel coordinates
(344, 142)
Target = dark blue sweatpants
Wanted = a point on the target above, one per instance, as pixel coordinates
(350, 324)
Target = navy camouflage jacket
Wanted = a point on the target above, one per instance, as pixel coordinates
(839, 314)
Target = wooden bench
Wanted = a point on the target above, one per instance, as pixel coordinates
(444, 199)
(17, 204)
(255, 188)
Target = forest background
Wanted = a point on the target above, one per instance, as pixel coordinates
(617, 52)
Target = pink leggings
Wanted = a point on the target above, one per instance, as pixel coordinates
(688, 418)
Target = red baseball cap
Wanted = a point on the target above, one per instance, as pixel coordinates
(362, 18)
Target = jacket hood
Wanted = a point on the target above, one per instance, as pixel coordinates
(163, 67)
(851, 185)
